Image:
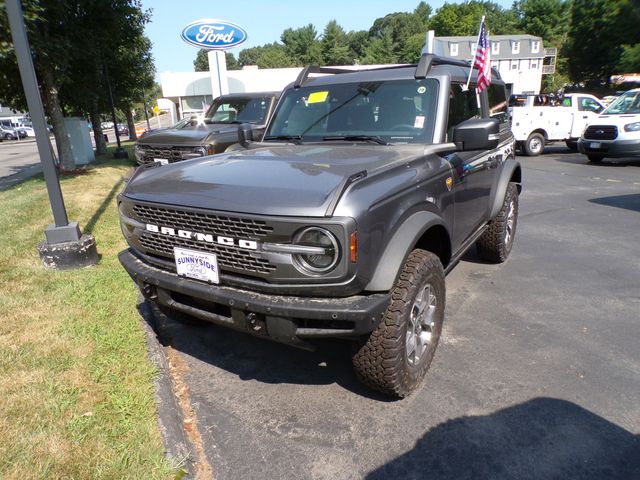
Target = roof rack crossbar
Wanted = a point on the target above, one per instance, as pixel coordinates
(306, 71)
(427, 60)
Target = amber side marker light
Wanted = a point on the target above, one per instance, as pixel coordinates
(353, 247)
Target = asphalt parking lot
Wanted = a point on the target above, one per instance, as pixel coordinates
(537, 375)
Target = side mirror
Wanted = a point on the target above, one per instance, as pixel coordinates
(245, 134)
(477, 134)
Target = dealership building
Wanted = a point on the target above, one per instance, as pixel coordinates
(521, 60)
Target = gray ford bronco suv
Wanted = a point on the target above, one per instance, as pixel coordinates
(366, 189)
(218, 130)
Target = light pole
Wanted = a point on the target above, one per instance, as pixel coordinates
(65, 246)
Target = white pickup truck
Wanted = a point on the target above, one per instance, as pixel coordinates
(535, 121)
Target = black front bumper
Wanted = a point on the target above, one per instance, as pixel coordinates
(610, 148)
(287, 319)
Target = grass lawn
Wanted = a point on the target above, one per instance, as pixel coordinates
(77, 387)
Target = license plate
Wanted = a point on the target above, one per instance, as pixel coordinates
(197, 265)
(594, 145)
(161, 161)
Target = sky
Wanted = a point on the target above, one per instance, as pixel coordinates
(264, 21)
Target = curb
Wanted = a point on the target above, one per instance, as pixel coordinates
(178, 449)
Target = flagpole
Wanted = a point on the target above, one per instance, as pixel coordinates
(473, 58)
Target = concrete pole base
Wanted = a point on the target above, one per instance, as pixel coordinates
(69, 255)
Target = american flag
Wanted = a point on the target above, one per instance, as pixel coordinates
(483, 59)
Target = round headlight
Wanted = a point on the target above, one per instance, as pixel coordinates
(328, 252)
(200, 151)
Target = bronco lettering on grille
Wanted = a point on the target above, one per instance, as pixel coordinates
(203, 237)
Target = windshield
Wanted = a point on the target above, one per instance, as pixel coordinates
(239, 110)
(398, 111)
(628, 102)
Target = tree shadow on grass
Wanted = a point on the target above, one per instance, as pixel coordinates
(541, 439)
(88, 229)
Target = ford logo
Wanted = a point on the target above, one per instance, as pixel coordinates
(213, 34)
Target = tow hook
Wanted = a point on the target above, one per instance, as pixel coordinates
(256, 324)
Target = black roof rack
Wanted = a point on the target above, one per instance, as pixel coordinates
(427, 60)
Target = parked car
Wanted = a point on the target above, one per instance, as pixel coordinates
(8, 133)
(341, 222)
(123, 129)
(616, 132)
(194, 137)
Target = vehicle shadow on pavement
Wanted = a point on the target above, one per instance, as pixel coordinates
(628, 202)
(541, 439)
(255, 358)
(579, 159)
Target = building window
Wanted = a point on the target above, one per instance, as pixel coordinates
(534, 64)
(495, 48)
(535, 46)
(514, 64)
(474, 45)
(453, 49)
(515, 48)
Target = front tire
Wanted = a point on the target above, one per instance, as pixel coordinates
(534, 145)
(396, 356)
(572, 145)
(595, 158)
(494, 245)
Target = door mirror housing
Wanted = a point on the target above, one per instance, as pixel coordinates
(245, 134)
(477, 134)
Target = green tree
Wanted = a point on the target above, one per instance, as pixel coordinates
(48, 27)
(598, 30)
(381, 50)
(302, 45)
(358, 41)
(629, 59)
(463, 19)
(335, 50)
(272, 55)
(72, 43)
(201, 62)
(544, 18)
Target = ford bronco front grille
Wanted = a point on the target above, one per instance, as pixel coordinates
(221, 225)
(601, 132)
(229, 257)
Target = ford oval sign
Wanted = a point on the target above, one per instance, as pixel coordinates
(213, 34)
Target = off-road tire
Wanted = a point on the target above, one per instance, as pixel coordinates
(595, 158)
(381, 361)
(494, 245)
(534, 145)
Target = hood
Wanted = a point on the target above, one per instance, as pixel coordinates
(279, 180)
(618, 119)
(186, 136)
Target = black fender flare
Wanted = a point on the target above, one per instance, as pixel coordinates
(508, 168)
(399, 248)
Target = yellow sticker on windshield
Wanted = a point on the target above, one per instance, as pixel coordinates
(317, 97)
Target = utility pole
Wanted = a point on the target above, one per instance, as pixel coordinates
(65, 246)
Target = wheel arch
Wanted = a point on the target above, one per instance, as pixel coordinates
(511, 172)
(424, 230)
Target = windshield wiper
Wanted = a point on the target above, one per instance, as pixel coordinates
(297, 139)
(356, 138)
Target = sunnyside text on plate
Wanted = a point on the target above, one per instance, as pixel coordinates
(198, 265)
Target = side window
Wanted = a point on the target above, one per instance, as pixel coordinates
(498, 103)
(463, 105)
(587, 104)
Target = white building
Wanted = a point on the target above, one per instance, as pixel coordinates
(520, 59)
